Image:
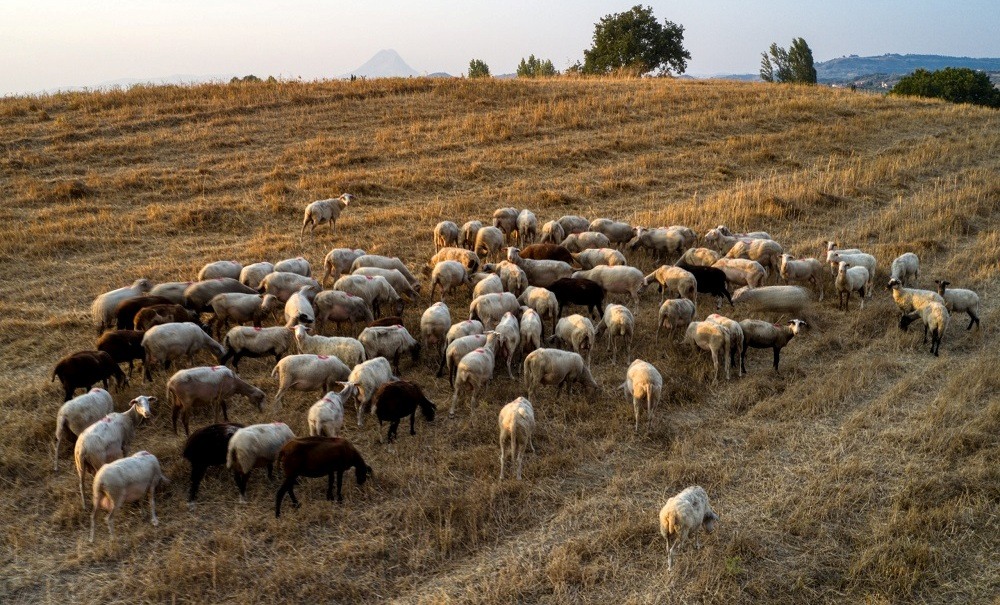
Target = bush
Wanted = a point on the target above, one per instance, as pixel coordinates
(955, 84)
(478, 69)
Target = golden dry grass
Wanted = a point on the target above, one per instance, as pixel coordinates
(867, 472)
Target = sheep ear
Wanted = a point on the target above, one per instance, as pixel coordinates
(152, 399)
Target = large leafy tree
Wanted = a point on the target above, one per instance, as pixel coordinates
(478, 69)
(792, 65)
(534, 68)
(634, 40)
(955, 84)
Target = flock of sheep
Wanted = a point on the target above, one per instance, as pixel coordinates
(520, 298)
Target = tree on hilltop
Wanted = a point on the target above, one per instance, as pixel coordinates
(478, 69)
(635, 41)
(792, 65)
(534, 68)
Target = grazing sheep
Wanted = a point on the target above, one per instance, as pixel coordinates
(959, 300)
(543, 301)
(764, 251)
(618, 233)
(299, 309)
(911, 299)
(489, 241)
(390, 342)
(220, 268)
(735, 339)
(464, 328)
(509, 333)
(77, 414)
(338, 262)
(547, 252)
(681, 516)
(122, 346)
(284, 284)
(457, 349)
(802, 270)
(396, 279)
(198, 294)
(81, 370)
(126, 480)
(701, 257)
(513, 278)
(169, 342)
(857, 260)
(555, 367)
(552, 233)
(935, 317)
(490, 284)
(244, 341)
(578, 242)
(448, 275)
(466, 258)
(255, 446)
(751, 235)
(579, 291)
(108, 439)
(517, 425)
(171, 290)
(489, 308)
(645, 384)
(467, 235)
(710, 281)
(619, 323)
(348, 350)
(571, 223)
(396, 400)
(385, 262)
(674, 282)
(527, 228)
(241, 308)
(325, 211)
(369, 376)
(127, 309)
(338, 307)
(505, 219)
(777, 299)
(905, 268)
(435, 323)
(207, 385)
(714, 338)
(375, 291)
(576, 332)
(251, 275)
(759, 334)
(659, 243)
(617, 280)
(590, 258)
(297, 265)
(539, 272)
(446, 235)
(675, 313)
(103, 308)
(742, 272)
(831, 247)
(850, 279)
(207, 447)
(318, 457)
(326, 416)
(308, 373)
(719, 241)
(158, 315)
(531, 330)
(475, 371)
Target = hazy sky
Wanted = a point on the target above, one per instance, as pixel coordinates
(49, 44)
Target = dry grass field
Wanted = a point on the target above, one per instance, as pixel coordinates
(868, 472)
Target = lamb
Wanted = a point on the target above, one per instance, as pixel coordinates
(375, 291)
(325, 211)
(617, 280)
(395, 400)
(578, 242)
(348, 350)
(778, 299)
(701, 257)
(619, 323)
(299, 309)
(198, 294)
(911, 299)
(207, 447)
(435, 323)
(316, 457)
(338, 307)
(475, 371)
(297, 265)
(505, 219)
(77, 414)
(527, 228)
(326, 416)
(710, 281)
(759, 334)
(339, 260)
(714, 338)
(490, 284)
(126, 480)
(618, 233)
(221, 268)
(251, 275)
(489, 308)
(645, 384)
(467, 258)
(122, 346)
(531, 330)
(446, 235)
(103, 308)
(158, 315)
(857, 260)
(579, 291)
(960, 300)
(735, 339)
(571, 223)
(588, 259)
(552, 233)
(464, 328)
(389, 342)
(543, 302)
(127, 309)
(385, 262)
(935, 317)
(284, 284)
(396, 279)
(850, 279)
(517, 425)
(244, 341)
(171, 290)
(675, 313)
(108, 439)
(207, 385)
(369, 376)
(458, 349)
(765, 251)
(308, 373)
(540, 272)
(81, 370)
(509, 332)
(577, 332)
(674, 282)
(742, 272)
(806, 269)
(681, 516)
(449, 275)
(255, 446)
(660, 243)
(241, 308)
(166, 343)
(489, 241)
(467, 236)
(555, 367)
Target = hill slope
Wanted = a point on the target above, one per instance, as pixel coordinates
(384, 64)
(866, 471)
(848, 68)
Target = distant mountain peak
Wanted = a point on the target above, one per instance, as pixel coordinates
(385, 64)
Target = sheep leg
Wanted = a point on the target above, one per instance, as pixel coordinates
(520, 461)
(743, 356)
(925, 335)
(187, 420)
(502, 461)
(241, 483)
(270, 471)
(286, 487)
(329, 486)
(197, 474)
(93, 518)
(777, 358)
(152, 504)
(715, 362)
(340, 481)
(83, 472)
(413, 419)
(635, 405)
(973, 319)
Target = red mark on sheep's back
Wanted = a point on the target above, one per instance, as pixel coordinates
(369, 277)
(257, 328)
(323, 356)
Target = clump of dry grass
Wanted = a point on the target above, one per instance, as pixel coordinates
(865, 473)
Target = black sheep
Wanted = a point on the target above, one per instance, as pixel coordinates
(85, 368)
(207, 447)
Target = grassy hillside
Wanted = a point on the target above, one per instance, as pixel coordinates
(866, 472)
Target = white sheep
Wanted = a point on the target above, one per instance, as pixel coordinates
(126, 480)
(617, 280)
(348, 350)
(299, 309)
(446, 235)
(571, 223)
(578, 242)
(220, 268)
(489, 284)
(475, 371)
(592, 257)
(166, 343)
(675, 313)
(369, 376)
(108, 439)
(699, 257)
(935, 317)
(339, 260)
(283, 284)
(396, 279)
(172, 291)
(660, 243)
(531, 330)
(714, 338)
(251, 275)
(467, 235)
(325, 211)
(644, 384)
(527, 228)
(245, 341)
(255, 446)
(719, 241)
(618, 233)
(509, 332)
(435, 323)
(78, 413)
(960, 300)
(489, 241)
(241, 308)
(457, 349)
(390, 342)
(742, 272)
(338, 307)
(619, 323)
(489, 308)
(857, 260)
(736, 339)
(911, 299)
(543, 301)
(552, 233)
(102, 310)
(802, 270)
(539, 272)
(326, 416)
(555, 367)
(375, 291)
(674, 282)
(307, 373)
(577, 333)
(505, 219)
(207, 386)
(448, 275)
(388, 263)
(765, 251)
(850, 279)
(517, 425)
(464, 328)
(682, 515)
(905, 268)
(831, 247)
(778, 299)
(751, 235)
(513, 278)
(294, 265)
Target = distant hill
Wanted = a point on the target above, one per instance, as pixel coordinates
(853, 67)
(385, 64)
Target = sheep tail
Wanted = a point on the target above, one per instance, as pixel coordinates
(231, 459)
(274, 372)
